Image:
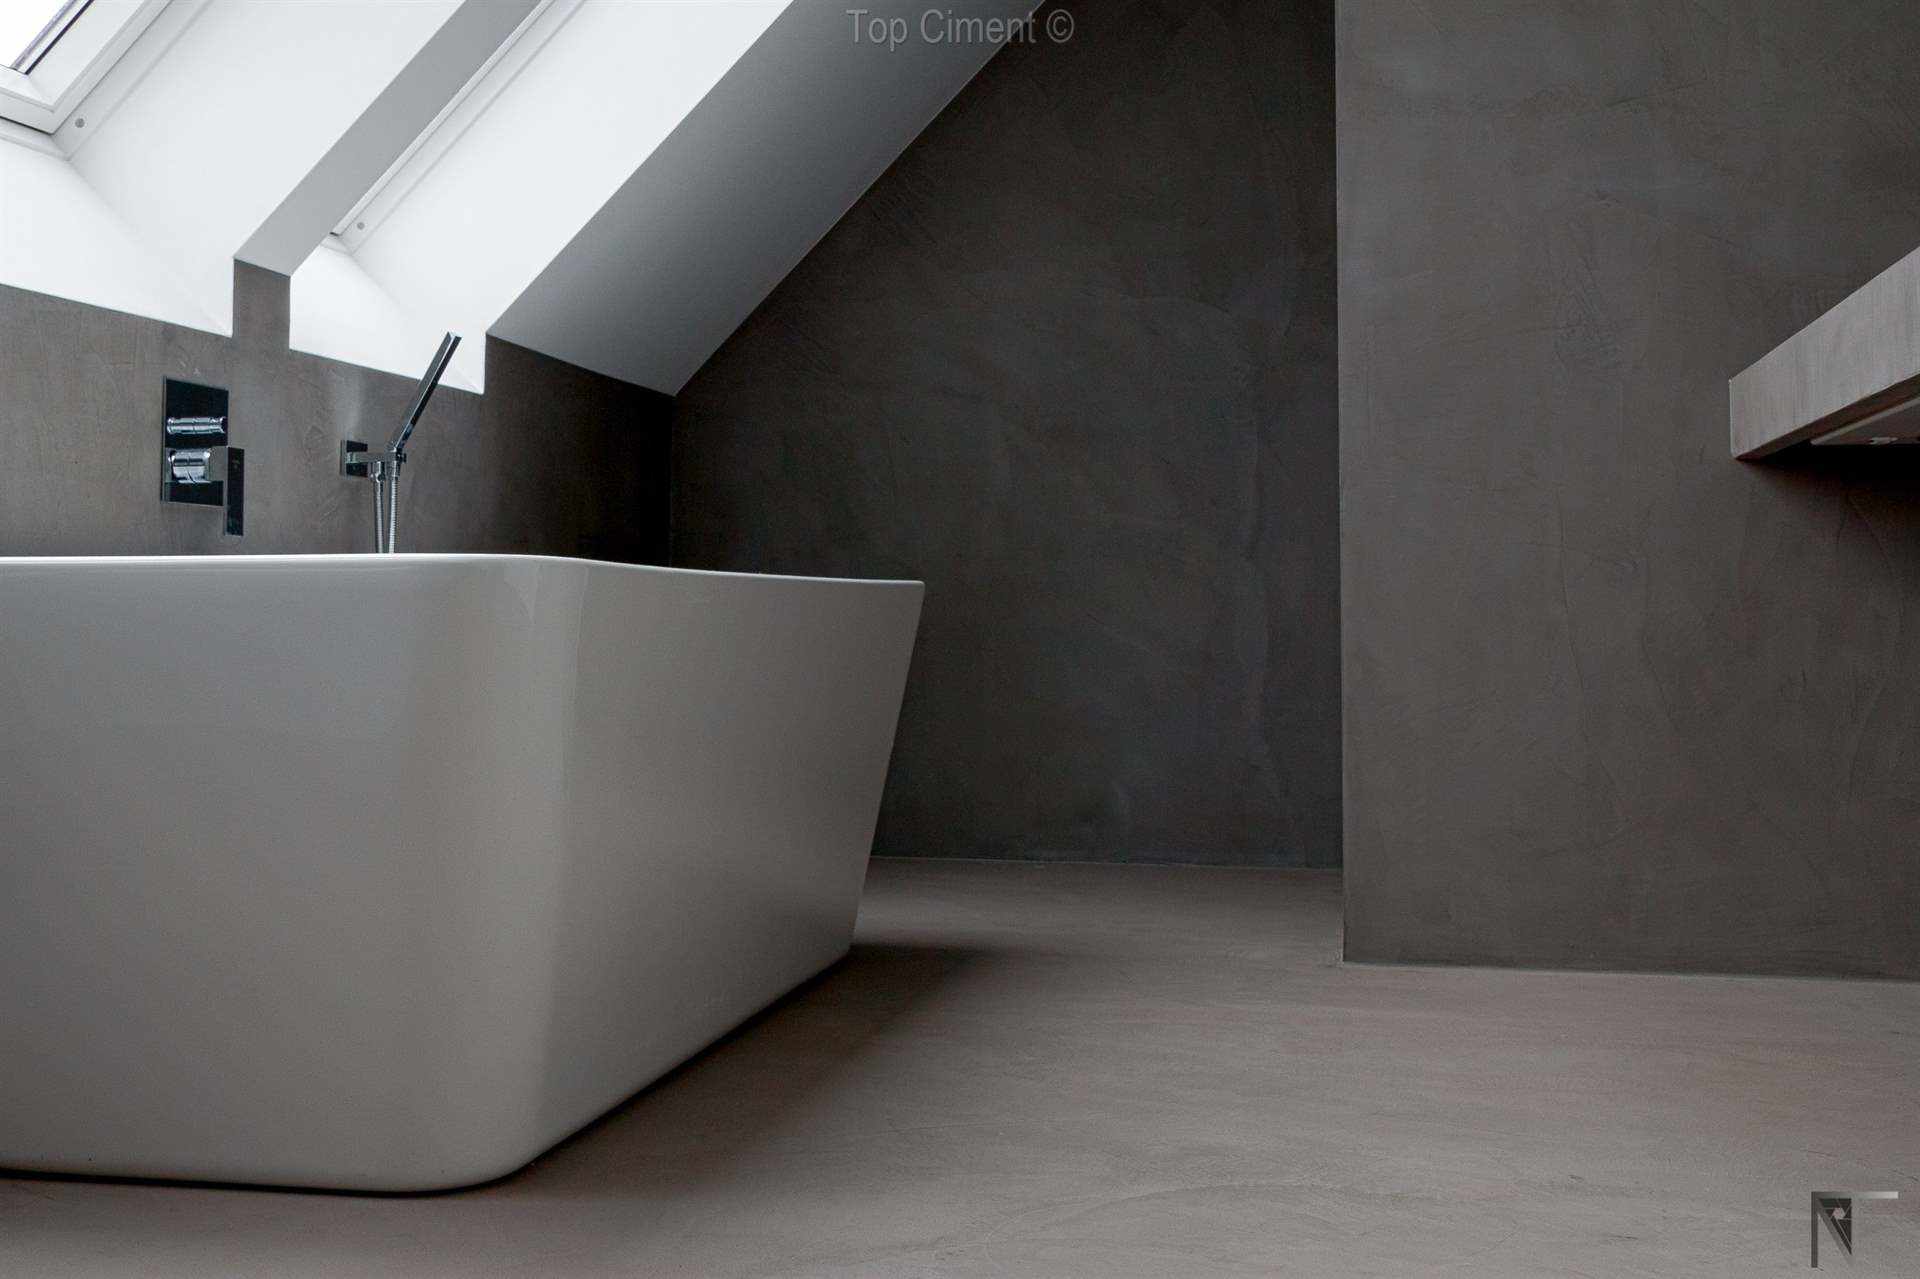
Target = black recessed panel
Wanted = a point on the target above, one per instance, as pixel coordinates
(196, 415)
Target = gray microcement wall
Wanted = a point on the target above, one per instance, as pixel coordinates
(551, 460)
(1611, 698)
(1071, 361)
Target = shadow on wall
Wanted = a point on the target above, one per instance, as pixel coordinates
(1857, 494)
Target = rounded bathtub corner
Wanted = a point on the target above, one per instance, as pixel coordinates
(476, 1175)
(443, 1175)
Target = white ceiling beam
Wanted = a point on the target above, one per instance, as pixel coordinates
(459, 50)
(457, 231)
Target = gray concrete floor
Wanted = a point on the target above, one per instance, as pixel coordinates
(1134, 1071)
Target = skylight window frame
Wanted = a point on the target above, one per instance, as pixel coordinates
(453, 120)
(71, 60)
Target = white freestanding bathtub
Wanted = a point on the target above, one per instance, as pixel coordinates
(386, 873)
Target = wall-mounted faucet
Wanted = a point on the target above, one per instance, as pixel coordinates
(383, 467)
(193, 433)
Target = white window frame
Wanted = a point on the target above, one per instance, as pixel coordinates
(90, 41)
(454, 119)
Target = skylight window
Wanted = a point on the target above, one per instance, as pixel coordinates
(55, 51)
(28, 29)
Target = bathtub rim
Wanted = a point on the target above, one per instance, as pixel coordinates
(404, 558)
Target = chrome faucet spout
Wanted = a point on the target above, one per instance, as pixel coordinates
(383, 467)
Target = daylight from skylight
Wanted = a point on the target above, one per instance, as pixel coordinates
(23, 21)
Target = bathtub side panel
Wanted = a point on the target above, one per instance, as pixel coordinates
(387, 875)
(728, 743)
(248, 832)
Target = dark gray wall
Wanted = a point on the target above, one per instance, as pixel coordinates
(551, 460)
(1611, 698)
(1071, 362)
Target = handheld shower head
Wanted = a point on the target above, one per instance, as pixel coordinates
(360, 462)
(431, 379)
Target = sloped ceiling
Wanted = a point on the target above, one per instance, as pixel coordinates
(635, 181)
(762, 168)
